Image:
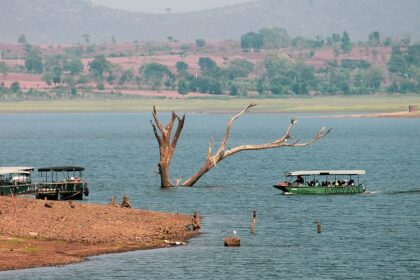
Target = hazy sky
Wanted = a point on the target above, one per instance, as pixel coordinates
(159, 6)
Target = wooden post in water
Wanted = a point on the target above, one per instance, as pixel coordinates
(253, 221)
(318, 228)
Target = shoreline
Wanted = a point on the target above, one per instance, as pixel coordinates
(397, 115)
(330, 105)
(33, 235)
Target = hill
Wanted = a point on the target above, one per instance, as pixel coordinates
(64, 21)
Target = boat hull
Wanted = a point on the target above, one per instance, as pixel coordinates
(62, 191)
(321, 190)
(50, 191)
(20, 189)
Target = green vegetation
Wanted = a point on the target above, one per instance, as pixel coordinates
(345, 42)
(275, 38)
(252, 41)
(404, 68)
(267, 63)
(4, 68)
(33, 60)
(15, 87)
(74, 66)
(374, 39)
(200, 43)
(155, 75)
(99, 66)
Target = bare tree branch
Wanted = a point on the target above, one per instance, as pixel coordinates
(178, 131)
(159, 125)
(171, 122)
(222, 153)
(229, 126)
(156, 133)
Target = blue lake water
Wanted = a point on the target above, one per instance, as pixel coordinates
(371, 236)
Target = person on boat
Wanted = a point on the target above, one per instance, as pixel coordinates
(299, 180)
(74, 179)
(283, 184)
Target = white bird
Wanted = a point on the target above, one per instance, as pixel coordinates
(234, 232)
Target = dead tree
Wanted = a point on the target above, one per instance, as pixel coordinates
(167, 147)
(222, 153)
(167, 143)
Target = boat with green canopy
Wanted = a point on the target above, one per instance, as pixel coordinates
(322, 182)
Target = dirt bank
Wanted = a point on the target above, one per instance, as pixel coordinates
(33, 235)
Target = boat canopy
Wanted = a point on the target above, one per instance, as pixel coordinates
(16, 170)
(326, 172)
(13, 171)
(61, 169)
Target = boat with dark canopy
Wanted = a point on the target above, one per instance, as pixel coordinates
(62, 182)
(323, 182)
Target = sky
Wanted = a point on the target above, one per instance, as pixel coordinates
(160, 6)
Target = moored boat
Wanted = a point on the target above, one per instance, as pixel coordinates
(314, 182)
(16, 181)
(62, 182)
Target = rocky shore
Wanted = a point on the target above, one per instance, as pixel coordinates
(36, 233)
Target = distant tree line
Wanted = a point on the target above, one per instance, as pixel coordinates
(277, 74)
(278, 38)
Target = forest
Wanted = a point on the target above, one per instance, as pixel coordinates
(266, 63)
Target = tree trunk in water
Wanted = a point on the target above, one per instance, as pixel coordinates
(193, 179)
(167, 144)
(164, 171)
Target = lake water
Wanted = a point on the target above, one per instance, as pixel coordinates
(370, 236)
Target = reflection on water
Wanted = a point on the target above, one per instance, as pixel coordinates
(369, 236)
